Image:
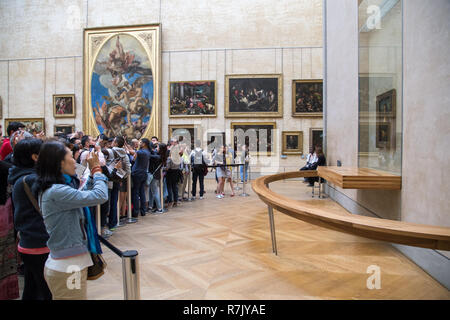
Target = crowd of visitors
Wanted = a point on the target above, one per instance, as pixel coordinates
(51, 187)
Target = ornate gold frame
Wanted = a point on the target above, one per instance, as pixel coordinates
(284, 149)
(278, 114)
(72, 115)
(7, 121)
(197, 130)
(274, 136)
(392, 95)
(65, 126)
(311, 136)
(305, 114)
(194, 116)
(149, 36)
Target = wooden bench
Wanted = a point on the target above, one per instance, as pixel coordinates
(360, 178)
(412, 234)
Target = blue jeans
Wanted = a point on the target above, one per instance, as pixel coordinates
(241, 169)
(165, 192)
(138, 194)
(154, 194)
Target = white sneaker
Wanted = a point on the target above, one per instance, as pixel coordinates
(201, 198)
(107, 233)
(219, 196)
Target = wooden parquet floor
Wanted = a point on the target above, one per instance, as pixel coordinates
(221, 249)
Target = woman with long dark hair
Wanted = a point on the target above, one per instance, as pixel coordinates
(321, 161)
(28, 220)
(64, 208)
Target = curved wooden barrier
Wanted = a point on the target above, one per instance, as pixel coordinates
(418, 235)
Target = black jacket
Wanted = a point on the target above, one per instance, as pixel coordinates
(4, 169)
(154, 165)
(27, 220)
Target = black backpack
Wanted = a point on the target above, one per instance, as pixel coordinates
(198, 161)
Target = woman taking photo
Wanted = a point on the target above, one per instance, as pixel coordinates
(62, 206)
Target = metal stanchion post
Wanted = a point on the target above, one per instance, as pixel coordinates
(272, 230)
(130, 269)
(130, 218)
(243, 194)
(237, 178)
(99, 225)
(190, 197)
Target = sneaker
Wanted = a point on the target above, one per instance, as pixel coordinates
(106, 233)
(219, 196)
(201, 198)
(112, 229)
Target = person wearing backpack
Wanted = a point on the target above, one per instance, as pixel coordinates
(199, 168)
(119, 185)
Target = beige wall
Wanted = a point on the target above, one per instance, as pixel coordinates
(426, 113)
(41, 47)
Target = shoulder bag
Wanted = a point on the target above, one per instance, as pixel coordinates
(98, 268)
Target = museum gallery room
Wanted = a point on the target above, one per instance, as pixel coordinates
(225, 150)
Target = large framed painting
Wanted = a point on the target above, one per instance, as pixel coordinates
(292, 142)
(185, 133)
(315, 137)
(259, 137)
(254, 96)
(31, 125)
(122, 72)
(64, 105)
(386, 103)
(214, 140)
(65, 129)
(192, 99)
(307, 98)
